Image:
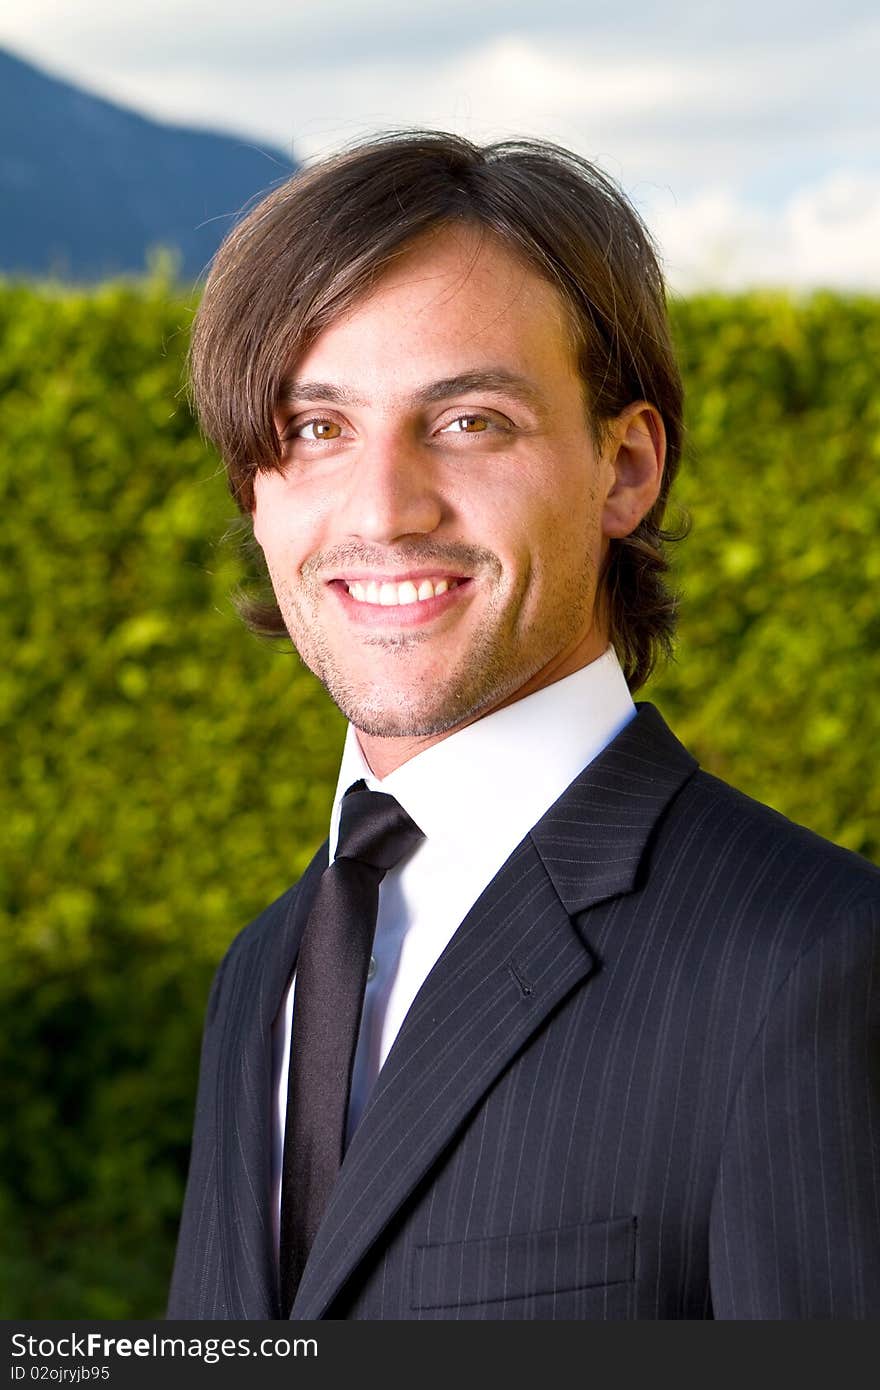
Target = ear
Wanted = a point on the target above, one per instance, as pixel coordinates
(635, 455)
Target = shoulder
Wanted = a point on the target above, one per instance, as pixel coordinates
(760, 884)
(264, 927)
(267, 944)
(758, 913)
(703, 842)
(756, 836)
(722, 873)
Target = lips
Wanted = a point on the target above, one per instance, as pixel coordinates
(402, 602)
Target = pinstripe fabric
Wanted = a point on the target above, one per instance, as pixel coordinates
(643, 1080)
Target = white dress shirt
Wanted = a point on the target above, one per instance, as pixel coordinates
(475, 795)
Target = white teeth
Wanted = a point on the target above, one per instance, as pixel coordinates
(389, 594)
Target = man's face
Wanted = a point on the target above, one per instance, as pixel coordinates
(435, 535)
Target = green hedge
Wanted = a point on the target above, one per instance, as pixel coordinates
(780, 577)
(168, 774)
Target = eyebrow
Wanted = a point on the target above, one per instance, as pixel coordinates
(495, 379)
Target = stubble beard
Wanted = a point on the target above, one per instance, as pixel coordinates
(404, 706)
(493, 668)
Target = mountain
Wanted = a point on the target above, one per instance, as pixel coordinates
(88, 188)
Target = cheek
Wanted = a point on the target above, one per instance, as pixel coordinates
(265, 508)
(283, 528)
(552, 519)
(258, 529)
(271, 540)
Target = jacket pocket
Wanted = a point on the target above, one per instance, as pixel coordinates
(521, 1265)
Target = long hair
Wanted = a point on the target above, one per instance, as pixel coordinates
(316, 245)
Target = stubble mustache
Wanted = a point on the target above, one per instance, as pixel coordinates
(468, 559)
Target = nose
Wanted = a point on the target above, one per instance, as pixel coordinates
(392, 492)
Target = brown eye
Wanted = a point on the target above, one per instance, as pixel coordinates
(467, 424)
(322, 429)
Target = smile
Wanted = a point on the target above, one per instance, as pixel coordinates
(405, 603)
(388, 594)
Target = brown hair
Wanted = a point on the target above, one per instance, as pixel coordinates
(314, 246)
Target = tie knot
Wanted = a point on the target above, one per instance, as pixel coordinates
(374, 828)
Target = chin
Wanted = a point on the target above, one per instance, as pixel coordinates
(412, 711)
(399, 715)
(403, 723)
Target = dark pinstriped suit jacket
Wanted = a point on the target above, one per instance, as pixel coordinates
(642, 1081)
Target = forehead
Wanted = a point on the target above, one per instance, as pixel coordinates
(457, 298)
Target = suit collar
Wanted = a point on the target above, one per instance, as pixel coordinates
(513, 959)
(592, 840)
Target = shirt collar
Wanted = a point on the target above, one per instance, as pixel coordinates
(495, 778)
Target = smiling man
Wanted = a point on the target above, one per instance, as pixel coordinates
(437, 525)
(555, 1025)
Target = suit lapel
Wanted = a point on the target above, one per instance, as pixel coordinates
(513, 959)
(593, 840)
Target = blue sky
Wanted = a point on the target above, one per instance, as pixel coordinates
(747, 135)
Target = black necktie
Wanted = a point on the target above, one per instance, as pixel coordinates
(331, 973)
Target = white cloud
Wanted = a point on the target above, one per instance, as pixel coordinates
(664, 100)
(226, 33)
(827, 234)
(747, 136)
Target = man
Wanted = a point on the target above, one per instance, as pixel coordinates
(591, 1034)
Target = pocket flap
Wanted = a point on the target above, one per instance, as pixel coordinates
(515, 1266)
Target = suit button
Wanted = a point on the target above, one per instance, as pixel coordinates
(371, 968)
